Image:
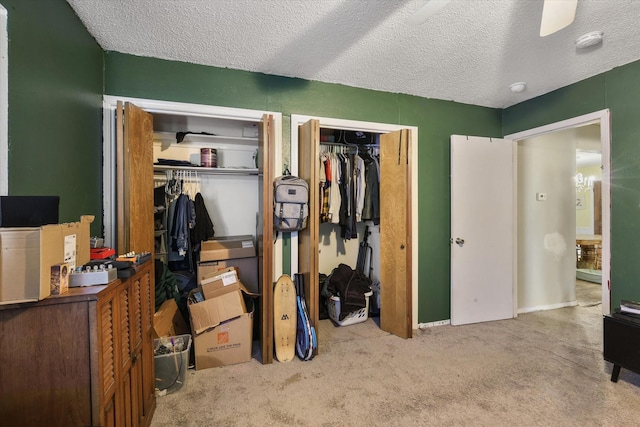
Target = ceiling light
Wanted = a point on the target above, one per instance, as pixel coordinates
(589, 39)
(518, 87)
(557, 15)
(584, 183)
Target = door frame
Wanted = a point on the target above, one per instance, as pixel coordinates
(297, 120)
(603, 118)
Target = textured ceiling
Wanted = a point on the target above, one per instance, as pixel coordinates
(469, 52)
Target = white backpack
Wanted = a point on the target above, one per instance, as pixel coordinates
(290, 203)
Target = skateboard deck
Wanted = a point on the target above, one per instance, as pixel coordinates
(284, 318)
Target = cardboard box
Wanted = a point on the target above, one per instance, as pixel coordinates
(247, 269)
(222, 323)
(224, 248)
(59, 278)
(219, 281)
(168, 321)
(227, 344)
(28, 253)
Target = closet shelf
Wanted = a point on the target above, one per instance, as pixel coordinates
(199, 138)
(208, 171)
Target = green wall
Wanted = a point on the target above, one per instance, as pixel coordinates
(619, 91)
(56, 74)
(140, 77)
(55, 101)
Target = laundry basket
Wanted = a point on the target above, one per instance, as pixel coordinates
(352, 318)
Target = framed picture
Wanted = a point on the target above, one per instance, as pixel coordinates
(580, 202)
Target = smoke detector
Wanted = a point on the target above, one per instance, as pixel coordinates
(589, 39)
(518, 87)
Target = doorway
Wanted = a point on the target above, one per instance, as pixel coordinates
(555, 243)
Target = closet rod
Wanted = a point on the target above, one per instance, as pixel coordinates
(344, 144)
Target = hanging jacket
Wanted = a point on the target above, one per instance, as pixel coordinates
(203, 229)
(183, 218)
(371, 209)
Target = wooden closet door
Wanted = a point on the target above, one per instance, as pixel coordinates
(135, 206)
(134, 139)
(308, 259)
(395, 233)
(266, 138)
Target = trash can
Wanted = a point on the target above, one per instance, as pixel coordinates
(171, 356)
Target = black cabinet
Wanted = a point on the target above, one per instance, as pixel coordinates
(622, 343)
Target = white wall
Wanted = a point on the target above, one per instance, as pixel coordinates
(334, 250)
(546, 229)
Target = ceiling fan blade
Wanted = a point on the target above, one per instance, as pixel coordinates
(556, 15)
(426, 11)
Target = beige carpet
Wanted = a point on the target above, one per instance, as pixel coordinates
(588, 293)
(543, 368)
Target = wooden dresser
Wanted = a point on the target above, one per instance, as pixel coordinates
(84, 358)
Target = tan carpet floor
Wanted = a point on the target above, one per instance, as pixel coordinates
(540, 369)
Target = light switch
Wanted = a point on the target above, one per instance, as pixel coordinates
(541, 197)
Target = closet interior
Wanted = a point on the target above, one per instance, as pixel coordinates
(349, 219)
(373, 248)
(209, 198)
(212, 158)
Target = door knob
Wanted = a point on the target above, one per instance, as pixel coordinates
(459, 241)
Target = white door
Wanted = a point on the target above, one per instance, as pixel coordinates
(483, 244)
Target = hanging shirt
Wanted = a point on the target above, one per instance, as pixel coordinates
(335, 198)
(327, 189)
(360, 184)
(323, 188)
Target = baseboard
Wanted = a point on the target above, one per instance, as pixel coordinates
(547, 307)
(433, 324)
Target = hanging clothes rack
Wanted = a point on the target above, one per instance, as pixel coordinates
(340, 147)
(179, 181)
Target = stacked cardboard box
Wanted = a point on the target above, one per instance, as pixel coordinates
(230, 251)
(221, 312)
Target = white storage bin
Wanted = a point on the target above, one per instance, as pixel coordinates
(357, 316)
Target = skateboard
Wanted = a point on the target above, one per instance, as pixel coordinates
(284, 318)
